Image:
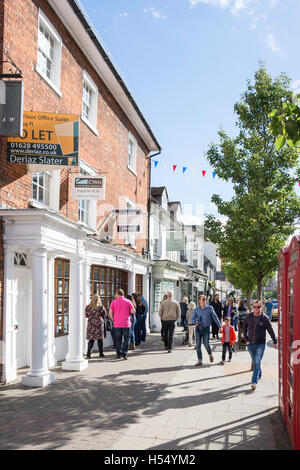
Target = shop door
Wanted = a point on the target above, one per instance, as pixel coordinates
(21, 323)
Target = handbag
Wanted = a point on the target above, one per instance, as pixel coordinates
(109, 324)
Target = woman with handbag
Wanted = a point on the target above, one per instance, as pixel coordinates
(96, 314)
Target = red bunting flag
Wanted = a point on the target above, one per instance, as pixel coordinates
(299, 183)
(174, 167)
(203, 173)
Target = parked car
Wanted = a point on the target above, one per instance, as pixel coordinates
(275, 309)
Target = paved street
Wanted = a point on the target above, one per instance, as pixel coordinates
(155, 400)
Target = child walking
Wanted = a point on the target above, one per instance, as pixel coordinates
(228, 339)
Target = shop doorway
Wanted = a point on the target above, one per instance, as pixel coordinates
(21, 317)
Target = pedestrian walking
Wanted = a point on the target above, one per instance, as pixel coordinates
(119, 311)
(139, 312)
(95, 313)
(165, 297)
(255, 326)
(203, 316)
(169, 312)
(230, 310)
(144, 320)
(263, 306)
(191, 327)
(228, 339)
(218, 308)
(131, 343)
(184, 305)
(269, 309)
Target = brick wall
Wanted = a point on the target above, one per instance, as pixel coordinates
(107, 152)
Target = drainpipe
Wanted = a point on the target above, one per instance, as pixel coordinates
(148, 233)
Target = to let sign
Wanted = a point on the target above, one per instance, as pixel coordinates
(11, 108)
(47, 139)
(89, 187)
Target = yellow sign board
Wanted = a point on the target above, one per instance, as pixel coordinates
(48, 139)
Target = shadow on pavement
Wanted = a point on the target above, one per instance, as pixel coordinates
(247, 433)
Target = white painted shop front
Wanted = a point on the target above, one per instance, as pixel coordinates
(48, 262)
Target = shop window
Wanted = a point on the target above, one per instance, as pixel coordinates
(61, 299)
(105, 281)
(49, 53)
(139, 283)
(89, 111)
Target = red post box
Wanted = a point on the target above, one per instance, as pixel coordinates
(283, 264)
(291, 337)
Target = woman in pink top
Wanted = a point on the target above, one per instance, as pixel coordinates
(119, 311)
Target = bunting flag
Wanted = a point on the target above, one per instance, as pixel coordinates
(299, 183)
(185, 168)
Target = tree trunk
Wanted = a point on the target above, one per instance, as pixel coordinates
(259, 286)
(249, 293)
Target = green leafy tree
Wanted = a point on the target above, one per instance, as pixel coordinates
(285, 124)
(241, 277)
(262, 214)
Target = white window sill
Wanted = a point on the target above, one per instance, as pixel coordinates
(37, 204)
(132, 170)
(48, 81)
(90, 126)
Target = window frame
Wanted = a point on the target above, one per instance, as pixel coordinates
(92, 123)
(91, 210)
(46, 175)
(62, 296)
(112, 280)
(132, 140)
(54, 79)
(130, 237)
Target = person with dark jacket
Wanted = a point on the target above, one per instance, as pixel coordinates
(217, 306)
(139, 313)
(184, 305)
(255, 326)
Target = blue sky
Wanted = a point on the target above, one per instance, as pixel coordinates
(186, 63)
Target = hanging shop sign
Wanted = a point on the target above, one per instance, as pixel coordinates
(11, 108)
(47, 139)
(220, 276)
(175, 241)
(89, 187)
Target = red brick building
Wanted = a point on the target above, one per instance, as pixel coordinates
(56, 251)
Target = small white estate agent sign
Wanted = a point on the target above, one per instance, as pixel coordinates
(89, 187)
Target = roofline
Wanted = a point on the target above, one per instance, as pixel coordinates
(82, 16)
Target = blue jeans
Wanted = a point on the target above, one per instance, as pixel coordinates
(202, 334)
(143, 328)
(269, 315)
(235, 322)
(131, 338)
(138, 329)
(122, 346)
(256, 352)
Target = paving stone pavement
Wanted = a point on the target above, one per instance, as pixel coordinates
(154, 400)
